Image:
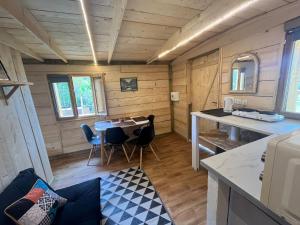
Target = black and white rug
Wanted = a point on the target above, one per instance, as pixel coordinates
(129, 198)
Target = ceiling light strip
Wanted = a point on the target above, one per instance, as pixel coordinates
(213, 24)
(88, 31)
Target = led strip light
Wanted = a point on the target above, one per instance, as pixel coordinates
(215, 23)
(88, 31)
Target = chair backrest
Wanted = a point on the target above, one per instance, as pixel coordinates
(87, 131)
(146, 136)
(115, 136)
(151, 119)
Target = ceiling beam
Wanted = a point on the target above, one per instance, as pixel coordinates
(24, 17)
(214, 16)
(9, 40)
(118, 14)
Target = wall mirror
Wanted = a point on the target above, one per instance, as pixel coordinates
(244, 74)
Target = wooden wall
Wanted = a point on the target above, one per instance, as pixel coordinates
(180, 83)
(21, 142)
(205, 86)
(268, 46)
(266, 40)
(152, 97)
(193, 80)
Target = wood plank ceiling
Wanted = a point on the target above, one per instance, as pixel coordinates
(147, 26)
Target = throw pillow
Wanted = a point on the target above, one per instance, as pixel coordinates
(37, 207)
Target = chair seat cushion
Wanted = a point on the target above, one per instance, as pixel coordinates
(83, 206)
(137, 132)
(95, 140)
(19, 187)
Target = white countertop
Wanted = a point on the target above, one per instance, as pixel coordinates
(267, 128)
(242, 166)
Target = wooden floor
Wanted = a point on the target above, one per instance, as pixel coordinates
(181, 188)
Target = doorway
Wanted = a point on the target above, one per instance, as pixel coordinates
(205, 86)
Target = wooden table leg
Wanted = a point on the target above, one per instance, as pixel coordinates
(102, 148)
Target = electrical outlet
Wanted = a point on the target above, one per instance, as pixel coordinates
(240, 102)
(237, 101)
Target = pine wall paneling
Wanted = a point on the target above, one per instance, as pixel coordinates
(205, 87)
(268, 46)
(266, 39)
(180, 108)
(65, 136)
(21, 145)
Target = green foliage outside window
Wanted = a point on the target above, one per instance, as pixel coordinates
(84, 94)
(64, 95)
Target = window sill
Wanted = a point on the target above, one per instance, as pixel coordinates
(77, 119)
(95, 116)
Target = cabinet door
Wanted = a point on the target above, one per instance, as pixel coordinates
(243, 212)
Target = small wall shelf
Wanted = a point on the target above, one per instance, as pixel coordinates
(14, 84)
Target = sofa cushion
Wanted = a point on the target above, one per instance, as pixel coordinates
(37, 207)
(83, 206)
(19, 187)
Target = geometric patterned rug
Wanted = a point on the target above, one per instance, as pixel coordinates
(129, 198)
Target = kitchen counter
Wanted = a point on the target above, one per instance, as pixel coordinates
(281, 127)
(262, 127)
(237, 170)
(241, 166)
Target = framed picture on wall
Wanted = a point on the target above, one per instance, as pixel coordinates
(128, 84)
(3, 73)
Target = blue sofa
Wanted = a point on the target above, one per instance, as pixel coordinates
(82, 208)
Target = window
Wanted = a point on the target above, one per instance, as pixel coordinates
(293, 92)
(60, 89)
(235, 79)
(77, 96)
(84, 96)
(289, 86)
(238, 79)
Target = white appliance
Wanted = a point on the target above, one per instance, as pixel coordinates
(281, 177)
(228, 104)
(174, 96)
(268, 117)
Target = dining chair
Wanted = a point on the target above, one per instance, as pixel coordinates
(151, 117)
(92, 139)
(144, 141)
(151, 123)
(116, 137)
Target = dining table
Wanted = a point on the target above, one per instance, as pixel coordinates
(125, 123)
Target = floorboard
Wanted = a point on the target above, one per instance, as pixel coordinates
(182, 189)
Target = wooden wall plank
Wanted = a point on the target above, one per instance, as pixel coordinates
(180, 108)
(41, 163)
(20, 144)
(152, 97)
(267, 44)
